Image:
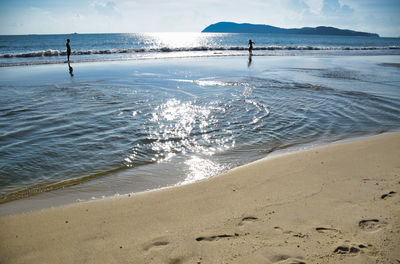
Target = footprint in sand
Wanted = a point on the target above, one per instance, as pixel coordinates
(282, 256)
(326, 230)
(217, 237)
(347, 250)
(287, 259)
(247, 219)
(292, 233)
(156, 243)
(354, 249)
(280, 229)
(387, 195)
(370, 225)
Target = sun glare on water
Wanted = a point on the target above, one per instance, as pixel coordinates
(176, 40)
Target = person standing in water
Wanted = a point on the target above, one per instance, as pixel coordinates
(251, 46)
(68, 49)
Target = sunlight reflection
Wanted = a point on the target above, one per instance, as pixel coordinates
(179, 40)
(200, 168)
(183, 127)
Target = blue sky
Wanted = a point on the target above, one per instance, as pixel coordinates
(100, 16)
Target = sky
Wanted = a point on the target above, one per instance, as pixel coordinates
(128, 16)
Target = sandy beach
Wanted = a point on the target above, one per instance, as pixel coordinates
(332, 204)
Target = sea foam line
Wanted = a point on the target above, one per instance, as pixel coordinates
(55, 53)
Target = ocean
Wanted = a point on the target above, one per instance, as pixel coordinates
(50, 49)
(146, 111)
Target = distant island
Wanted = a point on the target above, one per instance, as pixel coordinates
(231, 27)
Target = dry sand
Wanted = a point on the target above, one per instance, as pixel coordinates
(333, 204)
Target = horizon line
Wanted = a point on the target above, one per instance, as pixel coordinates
(157, 32)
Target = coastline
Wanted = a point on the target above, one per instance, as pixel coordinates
(89, 191)
(331, 204)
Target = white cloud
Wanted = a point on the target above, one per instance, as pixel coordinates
(315, 5)
(105, 8)
(335, 8)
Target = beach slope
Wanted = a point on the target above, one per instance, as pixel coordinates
(333, 204)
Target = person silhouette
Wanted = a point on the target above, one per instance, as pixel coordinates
(251, 46)
(68, 49)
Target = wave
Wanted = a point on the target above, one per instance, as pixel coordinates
(55, 53)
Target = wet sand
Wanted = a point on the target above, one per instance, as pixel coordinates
(332, 204)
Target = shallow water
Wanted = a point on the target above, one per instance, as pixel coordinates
(131, 126)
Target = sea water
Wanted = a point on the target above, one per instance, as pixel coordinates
(143, 120)
(43, 49)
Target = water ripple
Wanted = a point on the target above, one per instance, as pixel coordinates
(54, 133)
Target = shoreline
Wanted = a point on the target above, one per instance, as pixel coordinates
(330, 204)
(214, 54)
(50, 199)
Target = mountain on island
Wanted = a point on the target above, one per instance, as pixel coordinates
(231, 27)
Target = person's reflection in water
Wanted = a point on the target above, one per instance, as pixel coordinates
(71, 70)
(250, 60)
